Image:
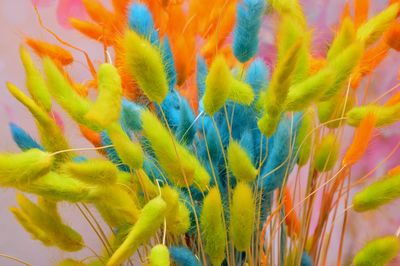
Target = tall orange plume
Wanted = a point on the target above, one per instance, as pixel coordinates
(91, 30)
(370, 60)
(161, 15)
(97, 12)
(394, 2)
(221, 31)
(361, 140)
(346, 12)
(55, 52)
(317, 63)
(394, 171)
(392, 36)
(361, 8)
(120, 5)
(291, 220)
(129, 86)
(395, 99)
(92, 136)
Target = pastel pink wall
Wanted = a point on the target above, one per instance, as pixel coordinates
(18, 20)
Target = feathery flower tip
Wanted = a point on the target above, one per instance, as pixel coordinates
(218, 84)
(213, 227)
(107, 107)
(248, 23)
(379, 251)
(55, 52)
(149, 221)
(35, 81)
(242, 216)
(183, 256)
(361, 140)
(392, 36)
(377, 194)
(159, 256)
(326, 153)
(145, 64)
(23, 168)
(239, 162)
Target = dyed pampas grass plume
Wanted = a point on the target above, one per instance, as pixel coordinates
(207, 154)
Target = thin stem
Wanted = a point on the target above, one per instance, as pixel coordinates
(82, 149)
(94, 228)
(98, 225)
(14, 259)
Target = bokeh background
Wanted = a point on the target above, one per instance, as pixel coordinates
(19, 20)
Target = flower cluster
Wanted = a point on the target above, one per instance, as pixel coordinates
(199, 140)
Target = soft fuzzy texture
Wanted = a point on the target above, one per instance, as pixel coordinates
(378, 252)
(213, 227)
(326, 153)
(248, 23)
(145, 64)
(159, 256)
(182, 256)
(377, 194)
(243, 211)
(148, 223)
(23, 139)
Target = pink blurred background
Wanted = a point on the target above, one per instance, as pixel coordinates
(18, 20)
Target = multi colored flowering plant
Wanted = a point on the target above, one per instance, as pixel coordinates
(199, 140)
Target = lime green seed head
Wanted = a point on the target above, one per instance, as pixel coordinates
(201, 176)
(305, 137)
(282, 77)
(174, 158)
(143, 181)
(63, 92)
(116, 205)
(290, 8)
(46, 125)
(107, 106)
(268, 124)
(95, 171)
(242, 216)
(377, 194)
(385, 115)
(71, 262)
(159, 256)
(131, 153)
(373, 29)
(275, 97)
(60, 235)
(150, 219)
(213, 227)
(35, 232)
(326, 153)
(218, 85)
(177, 215)
(332, 111)
(241, 92)
(342, 66)
(343, 39)
(378, 252)
(290, 31)
(57, 187)
(239, 162)
(303, 94)
(146, 66)
(23, 168)
(35, 82)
